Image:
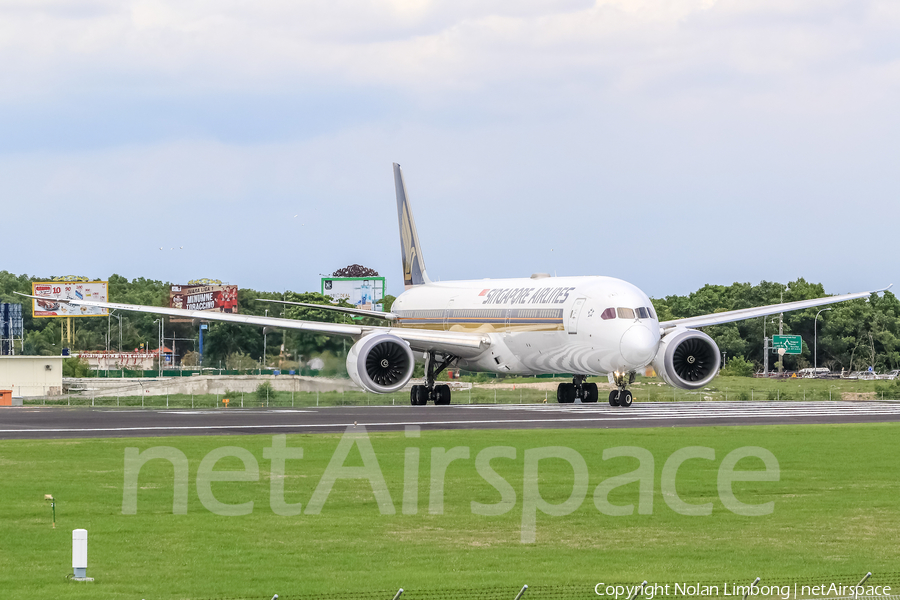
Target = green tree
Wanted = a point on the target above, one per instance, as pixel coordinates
(238, 361)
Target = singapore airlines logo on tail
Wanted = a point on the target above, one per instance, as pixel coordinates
(409, 249)
(411, 254)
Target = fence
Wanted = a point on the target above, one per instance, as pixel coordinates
(632, 590)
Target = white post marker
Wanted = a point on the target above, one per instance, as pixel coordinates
(79, 555)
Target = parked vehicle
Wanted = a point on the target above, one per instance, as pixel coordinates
(814, 372)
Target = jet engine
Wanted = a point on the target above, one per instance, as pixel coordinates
(687, 359)
(381, 363)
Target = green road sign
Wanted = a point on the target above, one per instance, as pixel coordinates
(792, 344)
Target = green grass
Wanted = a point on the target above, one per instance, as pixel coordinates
(646, 389)
(837, 515)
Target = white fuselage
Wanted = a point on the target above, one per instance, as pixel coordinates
(580, 325)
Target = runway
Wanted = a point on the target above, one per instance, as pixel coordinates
(60, 423)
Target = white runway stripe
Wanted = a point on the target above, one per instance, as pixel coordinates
(706, 409)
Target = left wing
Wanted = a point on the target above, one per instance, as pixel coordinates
(458, 343)
(761, 311)
(387, 316)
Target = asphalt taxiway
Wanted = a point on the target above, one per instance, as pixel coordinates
(62, 422)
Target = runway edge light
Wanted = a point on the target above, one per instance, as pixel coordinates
(79, 555)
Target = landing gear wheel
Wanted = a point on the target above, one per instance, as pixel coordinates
(442, 394)
(625, 399)
(419, 395)
(614, 398)
(590, 391)
(565, 393)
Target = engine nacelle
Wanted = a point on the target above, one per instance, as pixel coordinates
(687, 359)
(381, 363)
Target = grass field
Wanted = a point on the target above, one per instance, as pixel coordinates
(646, 389)
(836, 515)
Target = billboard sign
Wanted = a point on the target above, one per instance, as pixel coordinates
(364, 293)
(51, 291)
(210, 297)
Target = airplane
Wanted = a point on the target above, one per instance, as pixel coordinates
(591, 326)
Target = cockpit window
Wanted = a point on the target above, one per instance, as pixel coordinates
(652, 312)
(609, 313)
(625, 313)
(642, 313)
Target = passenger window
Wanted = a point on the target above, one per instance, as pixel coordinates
(609, 313)
(642, 313)
(625, 313)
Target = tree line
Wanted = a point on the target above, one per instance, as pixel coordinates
(224, 343)
(851, 335)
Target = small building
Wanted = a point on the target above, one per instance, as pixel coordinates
(31, 375)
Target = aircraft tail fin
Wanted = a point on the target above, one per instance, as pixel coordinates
(413, 262)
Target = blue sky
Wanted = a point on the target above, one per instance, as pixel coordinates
(670, 143)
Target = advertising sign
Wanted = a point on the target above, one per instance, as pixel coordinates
(211, 297)
(51, 291)
(365, 293)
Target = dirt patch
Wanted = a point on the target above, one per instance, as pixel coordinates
(858, 396)
(549, 386)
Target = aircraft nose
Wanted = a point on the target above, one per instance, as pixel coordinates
(638, 345)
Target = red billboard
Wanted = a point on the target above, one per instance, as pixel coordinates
(212, 297)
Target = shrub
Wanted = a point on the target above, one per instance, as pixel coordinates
(76, 367)
(738, 366)
(264, 390)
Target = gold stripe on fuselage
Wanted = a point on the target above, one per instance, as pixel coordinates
(500, 320)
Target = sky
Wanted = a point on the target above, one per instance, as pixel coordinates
(671, 143)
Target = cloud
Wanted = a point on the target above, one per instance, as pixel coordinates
(557, 120)
(429, 49)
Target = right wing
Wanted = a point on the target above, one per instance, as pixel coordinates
(458, 343)
(761, 311)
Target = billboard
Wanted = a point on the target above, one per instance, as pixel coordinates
(75, 290)
(365, 293)
(211, 297)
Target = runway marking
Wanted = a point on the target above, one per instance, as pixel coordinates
(644, 412)
(229, 411)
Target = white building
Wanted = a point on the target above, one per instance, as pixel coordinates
(31, 375)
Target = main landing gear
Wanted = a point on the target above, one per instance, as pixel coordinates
(419, 395)
(621, 396)
(567, 392)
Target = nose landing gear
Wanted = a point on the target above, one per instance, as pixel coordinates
(566, 393)
(621, 396)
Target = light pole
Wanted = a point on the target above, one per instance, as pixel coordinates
(766, 348)
(816, 344)
(119, 317)
(158, 347)
(265, 340)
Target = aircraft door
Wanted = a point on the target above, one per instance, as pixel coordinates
(448, 314)
(573, 315)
